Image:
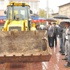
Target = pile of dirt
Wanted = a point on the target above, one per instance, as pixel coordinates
(23, 42)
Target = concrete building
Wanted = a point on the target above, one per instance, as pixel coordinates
(65, 9)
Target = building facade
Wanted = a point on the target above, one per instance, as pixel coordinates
(65, 9)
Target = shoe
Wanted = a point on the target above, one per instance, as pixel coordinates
(64, 59)
(62, 53)
(67, 65)
(51, 47)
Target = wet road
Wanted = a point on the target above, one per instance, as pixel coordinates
(55, 63)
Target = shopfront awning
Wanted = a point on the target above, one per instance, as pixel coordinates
(2, 17)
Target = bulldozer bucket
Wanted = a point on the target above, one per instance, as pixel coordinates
(24, 46)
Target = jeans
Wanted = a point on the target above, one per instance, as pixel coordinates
(51, 41)
(61, 45)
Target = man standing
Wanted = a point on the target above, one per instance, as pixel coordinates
(61, 33)
(67, 46)
(50, 33)
(55, 33)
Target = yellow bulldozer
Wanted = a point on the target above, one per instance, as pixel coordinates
(18, 15)
(17, 42)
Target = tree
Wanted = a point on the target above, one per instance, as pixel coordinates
(42, 13)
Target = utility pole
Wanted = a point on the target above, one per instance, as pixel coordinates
(47, 9)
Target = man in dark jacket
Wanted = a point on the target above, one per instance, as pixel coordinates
(55, 33)
(61, 33)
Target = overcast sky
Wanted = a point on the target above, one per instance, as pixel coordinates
(53, 4)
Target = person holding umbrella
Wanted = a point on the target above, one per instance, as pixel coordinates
(67, 46)
(50, 31)
(62, 31)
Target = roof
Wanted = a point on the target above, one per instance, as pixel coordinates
(18, 4)
(64, 4)
(55, 13)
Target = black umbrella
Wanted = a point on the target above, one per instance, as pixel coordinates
(62, 23)
(61, 17)
(51, 20)
(66, 21)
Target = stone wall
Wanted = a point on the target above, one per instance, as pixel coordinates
(65, 10)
